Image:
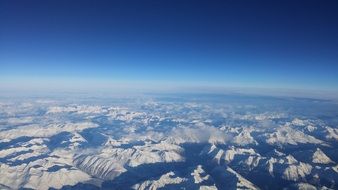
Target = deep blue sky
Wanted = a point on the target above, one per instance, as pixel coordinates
(282, 44)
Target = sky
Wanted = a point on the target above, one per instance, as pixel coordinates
(161, 43)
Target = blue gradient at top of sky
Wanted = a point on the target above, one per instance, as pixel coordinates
(287, 44)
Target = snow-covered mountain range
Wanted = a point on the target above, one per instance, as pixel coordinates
(184, 142)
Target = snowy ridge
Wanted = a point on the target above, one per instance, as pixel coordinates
(110, 162)
(45, 131)
(319, 157)
(287, 135)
